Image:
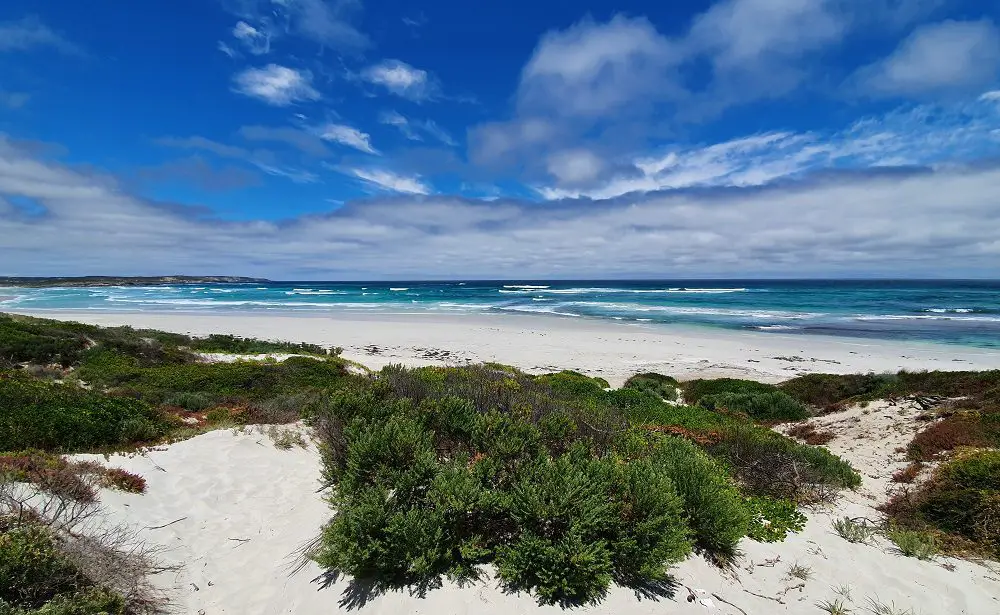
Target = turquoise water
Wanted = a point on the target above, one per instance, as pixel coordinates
(957, 312)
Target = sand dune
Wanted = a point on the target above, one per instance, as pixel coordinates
(235, 511)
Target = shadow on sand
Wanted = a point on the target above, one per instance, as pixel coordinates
(359, 592)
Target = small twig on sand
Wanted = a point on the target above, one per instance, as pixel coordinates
(778, 600)
(160, 527)
(240, 540)
(724, 601)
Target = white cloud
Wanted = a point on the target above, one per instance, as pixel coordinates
(393, 118)
(387, 180)
(226, 49)
(29, 33)
(593, 68)
(927, 135)
(414, 130)
(276, 85)
(575, 166)
(401, 79)
(256, 41)
(347, 135)
(938, 58)
(325, 22)
(932, 223)
(993, 96)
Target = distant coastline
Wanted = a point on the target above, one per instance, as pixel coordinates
(84, 281)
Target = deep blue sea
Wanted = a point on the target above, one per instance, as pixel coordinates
(957, 312)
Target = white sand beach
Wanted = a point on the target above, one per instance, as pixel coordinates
(236, 511)
(611, 350)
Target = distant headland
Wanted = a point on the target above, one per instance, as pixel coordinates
(40, 282)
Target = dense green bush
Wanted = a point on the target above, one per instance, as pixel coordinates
(770, 406)
(772, 519)
(718, 515)
(51, 416)
(573, 384)
(244, 345)
(39, 342)
(211, 382)
(694, 390)
(438, 471)
(664, 387)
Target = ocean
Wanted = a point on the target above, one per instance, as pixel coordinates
(953, 312)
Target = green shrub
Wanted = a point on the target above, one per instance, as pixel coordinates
(35, 341)
(963, 498)
(769, 406)
(718, 514)
(32, 571)
(651, 531)
(663, 387)
(376, 536)
(395, 454)
(437, 471)
(188, 401)
(243, 345)
(910, 543)
(207, 384)
(772, 519)
(694, 390)
(853, 531)
(568, 570)
(62, 417)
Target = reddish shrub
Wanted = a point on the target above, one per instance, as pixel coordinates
(909, 473)
(946, 435)
(122, 480)
(701, 437)
(50, 473)
(808, 433)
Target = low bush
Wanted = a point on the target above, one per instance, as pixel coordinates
(772, 519)
(827, 391)
(767, 463)
(203, 385)
(908, 474)
(31, 569)
(439, 471)
(51, 473)
(695, 390)
(853, 530)
(767, 406)
(969, 430)
(244, 345)
(910, 543)
(123, 480)
(808, 433)
(664, 387)
(718, 514)
(62, 417)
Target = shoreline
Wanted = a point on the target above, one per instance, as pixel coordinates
(612, 350)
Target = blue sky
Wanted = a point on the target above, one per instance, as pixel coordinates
(365, 138)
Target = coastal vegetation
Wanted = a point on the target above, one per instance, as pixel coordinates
(559, 482)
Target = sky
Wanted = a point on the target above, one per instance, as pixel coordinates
(383, 139)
